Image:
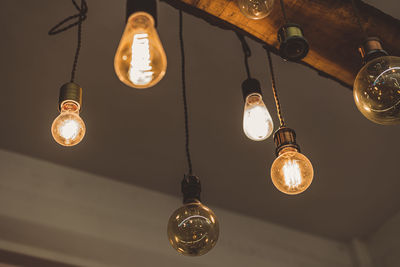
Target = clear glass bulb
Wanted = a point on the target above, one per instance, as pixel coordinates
(140, 60)
(377, 90)
(193, 229)
(257, 122)
(68, 129)
(255, 9)
(292, 172)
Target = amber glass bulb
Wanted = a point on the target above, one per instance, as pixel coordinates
(140, 61)
(291, 173)
(193, 229)
(257, 122)
(377, 90)
(255, 9)
(68, 128)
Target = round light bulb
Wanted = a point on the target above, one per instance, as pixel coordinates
(257, 122)
(377, 90)
(291, 172)
(68, 129)
(255, 9)
(140, 60)
(193, 229)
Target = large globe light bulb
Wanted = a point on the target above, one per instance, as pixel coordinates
(68, 129)
(257, 122)
(292, 172)
(255, 9)
(377, 90)
(193, 229)
(140, 60)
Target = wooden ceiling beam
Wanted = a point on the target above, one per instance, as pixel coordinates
(329, 26)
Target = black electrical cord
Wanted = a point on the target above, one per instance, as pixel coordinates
(358, 18)
(284, 11)
(59, 27)
(185, 104)
(274, 89)
(246, 53)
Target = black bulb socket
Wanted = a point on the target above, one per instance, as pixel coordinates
(371, 49)
(285, 137)
(191, 189)
(292, 44)
(148, 6)
(70, 92)
(250, 86)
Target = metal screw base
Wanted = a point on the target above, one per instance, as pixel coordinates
(70, 92)
(285, 137)
(191, 189)
(371, 49)
(293, 45)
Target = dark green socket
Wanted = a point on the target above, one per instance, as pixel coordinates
(293, 45)
(70, 92)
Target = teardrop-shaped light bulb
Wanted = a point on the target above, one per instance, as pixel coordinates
(257, 122)
(140, 61)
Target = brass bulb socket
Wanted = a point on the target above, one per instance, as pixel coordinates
(371, 49)
(191, 189)
(285, 137)
(70, 92)
(292, 44)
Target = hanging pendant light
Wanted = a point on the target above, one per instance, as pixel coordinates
(68, 129)
(292, 44)
(140, 61)
(291, 172)
(377, 85)
(257, 122)
(255, 9)
(193, 229)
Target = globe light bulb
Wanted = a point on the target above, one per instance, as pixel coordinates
(68, 129)
(140, 60)
(257, 122)
(377, 90)
(292, 172)
(255, 9)
(193, 229)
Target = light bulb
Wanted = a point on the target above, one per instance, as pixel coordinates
(292, 172)
(68, 129)
(140, 60)
(193, 229)
(257, 122)
(255, 9)
(377, 90)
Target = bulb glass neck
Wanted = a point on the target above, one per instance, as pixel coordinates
(141, 20)
(254, 99)
(70, 106)
(287, 149)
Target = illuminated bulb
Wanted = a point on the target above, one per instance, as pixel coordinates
(68, 128)
(255, 9)
(193, 229)
(292, 172)
(377, 90)
(257, 123)
(140, 60)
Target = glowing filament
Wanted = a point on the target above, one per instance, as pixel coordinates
(140, 69)
(69, 129)
(292, 174)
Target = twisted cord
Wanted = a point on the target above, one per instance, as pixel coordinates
(274, 89)
(358, 18)
(284, 11)
(246, 53)
(59, 27)
(185, 104)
